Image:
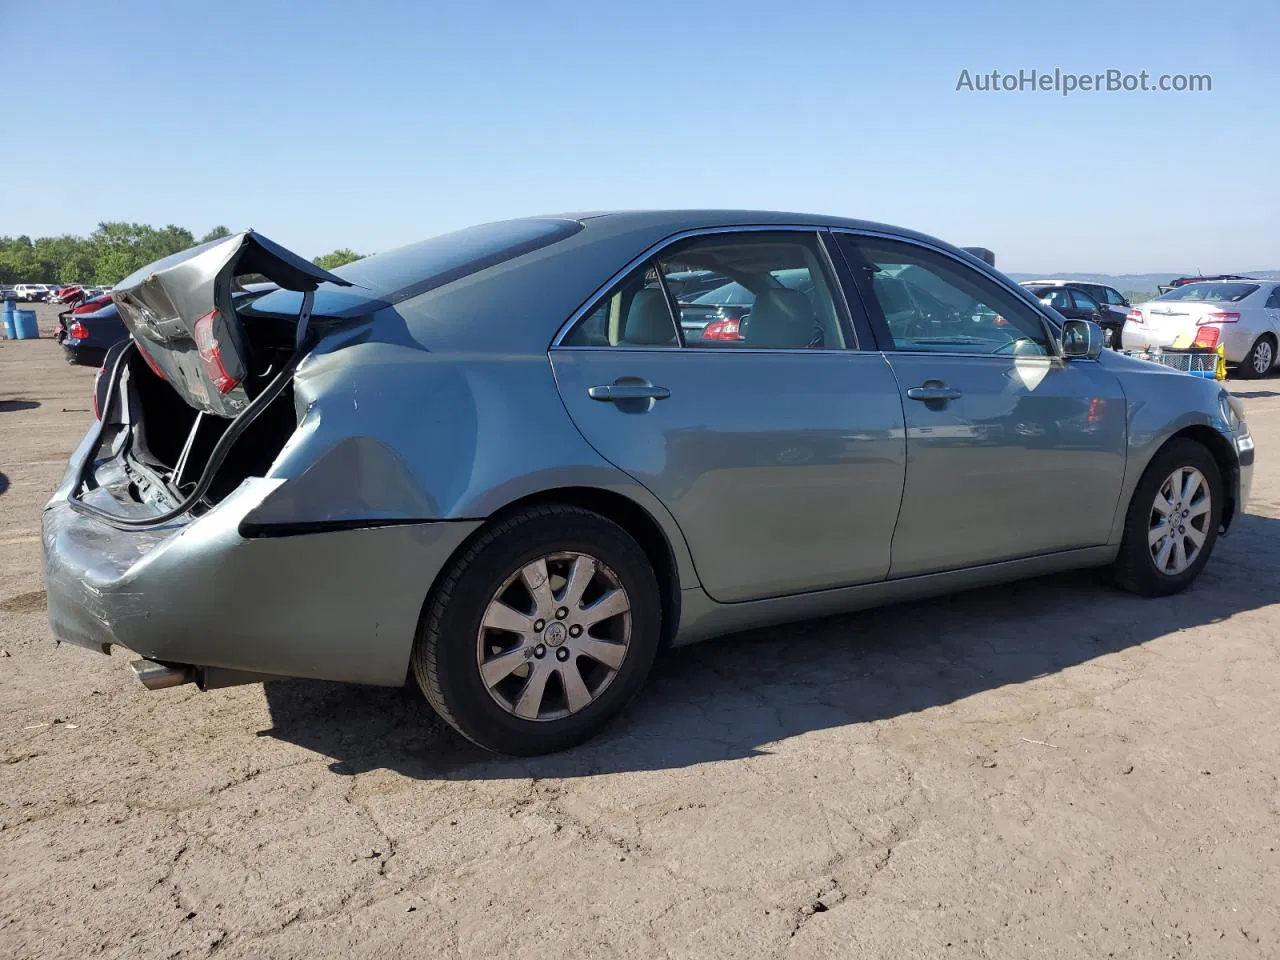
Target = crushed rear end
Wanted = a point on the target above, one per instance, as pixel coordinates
(167, 534)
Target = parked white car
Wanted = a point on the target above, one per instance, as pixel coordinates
(1242, 315)
(31, 292)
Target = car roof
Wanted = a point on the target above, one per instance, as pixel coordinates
(571, 270)
(680, 220)
(1061, 283)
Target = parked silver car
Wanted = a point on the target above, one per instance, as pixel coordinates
(490, 461)
(1243, 315)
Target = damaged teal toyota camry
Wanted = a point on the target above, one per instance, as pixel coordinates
(510, 463)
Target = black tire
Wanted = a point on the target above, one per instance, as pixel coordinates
(1260, 359)
(1135, 569)
(444, 654)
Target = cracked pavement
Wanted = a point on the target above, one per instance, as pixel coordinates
(1046, 769)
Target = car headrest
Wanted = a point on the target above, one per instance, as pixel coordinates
(781, 318)
(649, 320)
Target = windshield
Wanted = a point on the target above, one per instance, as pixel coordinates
(1211, 292)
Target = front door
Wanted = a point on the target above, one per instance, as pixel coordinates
(1012, 451)
(775, 444)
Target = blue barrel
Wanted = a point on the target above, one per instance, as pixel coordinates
(10, 319)
(26, 326)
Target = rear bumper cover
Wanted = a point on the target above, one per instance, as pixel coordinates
(340, 605)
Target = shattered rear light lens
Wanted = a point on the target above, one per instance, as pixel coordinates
(79, 331)
(211, 354)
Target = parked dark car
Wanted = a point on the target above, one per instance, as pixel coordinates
(88, 335)
(1074, 304)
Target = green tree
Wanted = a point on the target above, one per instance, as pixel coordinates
(337, 258)
(121, 248)
(18, 260)
(217, 233)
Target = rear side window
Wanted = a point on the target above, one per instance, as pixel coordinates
(635, 313)
(1273, 302)
(780, 296)
(773, 292)
(413, 270)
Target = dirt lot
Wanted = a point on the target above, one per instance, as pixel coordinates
(1043, 770)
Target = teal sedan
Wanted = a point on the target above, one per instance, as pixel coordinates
(495, 465)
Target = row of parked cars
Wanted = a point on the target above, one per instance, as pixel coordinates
(1240, 314)
(52, 293)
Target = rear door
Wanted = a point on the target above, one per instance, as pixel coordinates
(779, 451)
(1272, 307)
(1012, 451)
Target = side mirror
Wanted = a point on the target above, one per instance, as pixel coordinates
(1082, 340)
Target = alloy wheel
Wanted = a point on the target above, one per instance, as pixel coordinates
(1179, 523)
(1262, 357)
(554, 636)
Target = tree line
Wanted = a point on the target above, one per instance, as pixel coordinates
(109, 254)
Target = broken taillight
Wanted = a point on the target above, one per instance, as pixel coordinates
(78, 331)
(211, 354)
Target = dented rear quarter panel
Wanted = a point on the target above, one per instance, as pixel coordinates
(392, 431)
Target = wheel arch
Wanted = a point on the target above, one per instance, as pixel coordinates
(638, 522)
(1224, 456)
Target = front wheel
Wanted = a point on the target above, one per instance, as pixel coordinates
(541, 632)
(1172, 522)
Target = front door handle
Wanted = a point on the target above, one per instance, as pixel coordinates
(933, 391)
(614, 392)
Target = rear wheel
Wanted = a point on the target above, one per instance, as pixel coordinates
(1260, 358)
(1172, 523)
(541, 632)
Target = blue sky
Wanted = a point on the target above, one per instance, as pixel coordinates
(370, 125)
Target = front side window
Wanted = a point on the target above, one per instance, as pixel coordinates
(1115, 298)
(933, 303)
(778, 294)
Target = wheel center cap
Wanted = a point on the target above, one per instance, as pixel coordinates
(555, 634)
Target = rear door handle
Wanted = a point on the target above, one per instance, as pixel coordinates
(933, 390)
(613, 392)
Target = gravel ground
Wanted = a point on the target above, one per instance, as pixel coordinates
(1048, 769)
